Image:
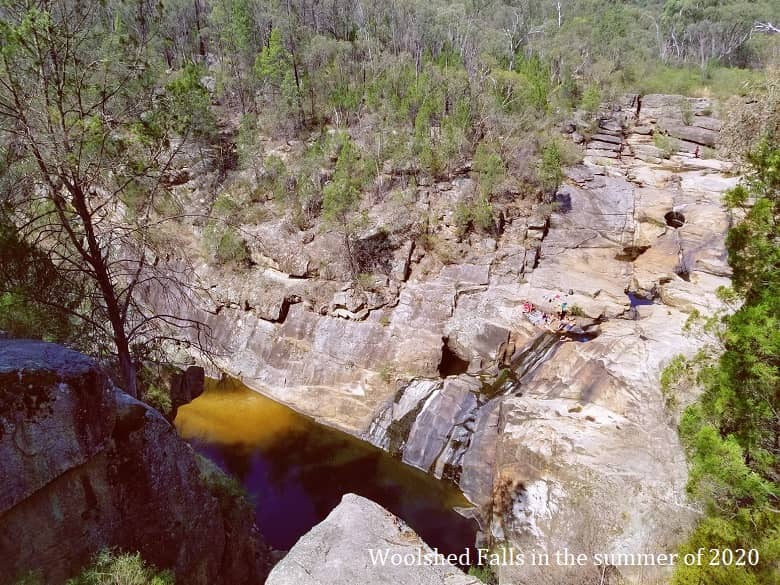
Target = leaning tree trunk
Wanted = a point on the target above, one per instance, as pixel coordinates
(113, 310)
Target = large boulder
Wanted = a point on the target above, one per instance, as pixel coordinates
(86, 467)
(338, 551)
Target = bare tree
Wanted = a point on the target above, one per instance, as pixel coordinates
(80, 111)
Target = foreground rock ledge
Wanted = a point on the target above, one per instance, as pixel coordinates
(85, 467)
(336, 551)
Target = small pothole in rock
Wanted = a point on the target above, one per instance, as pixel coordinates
(675, 219)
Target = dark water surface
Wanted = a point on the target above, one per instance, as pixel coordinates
(297, 470)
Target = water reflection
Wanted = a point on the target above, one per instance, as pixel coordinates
(298, 470)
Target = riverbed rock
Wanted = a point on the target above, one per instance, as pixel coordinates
(88, 467)
(337, 552)
(632, 244)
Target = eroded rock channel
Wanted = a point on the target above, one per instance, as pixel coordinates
(437, 362)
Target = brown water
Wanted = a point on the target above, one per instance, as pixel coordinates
(297, 470)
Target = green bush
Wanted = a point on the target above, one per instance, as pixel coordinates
(677, 371)
(551, 168)
(225, 206)
(717, 81)
(484, 573)
(35, 299)
(488, 166)
(674, 372)
(731, 433)
(686, 112)
(227, 489)
(473, 214)
(158, 397)
(591, 99)
(666, 144)
(114, 568)
(225, 246)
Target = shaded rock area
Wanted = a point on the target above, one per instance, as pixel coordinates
(336, 552)
(85, 467)
(434, 358)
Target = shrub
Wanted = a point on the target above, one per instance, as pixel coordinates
(476, 214)
(686, 111)
(226, 488)
(231, 248)
(365, 280)
(225, 206)
(224, 245)
(591, 99)
(666, 144)
(484, 573)
(489, 168)
(158, 397)
(114, 568)
(387, 372)
(551, 168)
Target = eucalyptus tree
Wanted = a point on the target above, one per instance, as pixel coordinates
(341, 197)
(86, 127)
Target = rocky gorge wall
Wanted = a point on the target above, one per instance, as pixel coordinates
(87, 467)
(559, 440)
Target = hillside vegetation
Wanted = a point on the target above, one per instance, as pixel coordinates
(732, 433)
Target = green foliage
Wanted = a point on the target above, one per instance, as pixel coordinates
(225, 245)
(666, 144)
(159, 398)
(273, 63)
(731, 434)
(551, 168)
(753, 249)
(31, 578)
(489, 168)
(678, 371)
(686, 112)
(35, 300)
(342, 195)
(591, 99)
(387, 372)
(475, 213)
(228, 491)
(484, 573)
(115, 568)
(366, 280)
(246, 142)
(536, 82)
(225, 206)
(190, 104)
(674, 372)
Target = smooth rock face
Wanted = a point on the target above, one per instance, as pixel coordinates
(336, 552)
(85, 467)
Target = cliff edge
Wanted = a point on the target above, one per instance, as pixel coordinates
(86, 466)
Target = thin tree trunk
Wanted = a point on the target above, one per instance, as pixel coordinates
(103, 278)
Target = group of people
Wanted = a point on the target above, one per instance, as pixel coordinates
(552, 321)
